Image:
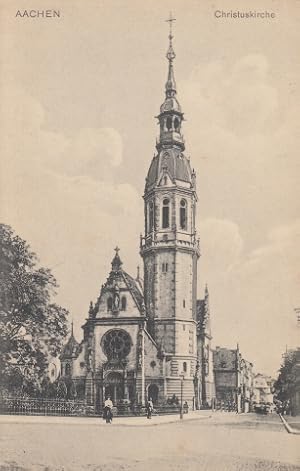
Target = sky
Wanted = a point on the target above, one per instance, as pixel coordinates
(79, 96)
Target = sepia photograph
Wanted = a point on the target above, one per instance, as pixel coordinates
(149, 235)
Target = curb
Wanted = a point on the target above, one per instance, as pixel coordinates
(288, 428)
(15, 420)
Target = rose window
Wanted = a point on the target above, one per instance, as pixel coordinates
(116, 344)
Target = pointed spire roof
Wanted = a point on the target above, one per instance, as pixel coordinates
(170, 103)
(116, 263)
(170, 84)
(71, 348)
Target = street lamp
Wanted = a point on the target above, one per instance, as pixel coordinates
(181, 395)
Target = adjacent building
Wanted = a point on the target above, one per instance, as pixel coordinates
(233, 376)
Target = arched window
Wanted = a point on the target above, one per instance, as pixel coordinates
(184, 366)
(183, 215)
(151, 216)
(68, 369)
(166, 213)
(176, 124)
(169, 123)
(109, 304)
(123, 303)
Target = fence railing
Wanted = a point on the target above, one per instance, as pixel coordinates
(34, 406)
(64, 407)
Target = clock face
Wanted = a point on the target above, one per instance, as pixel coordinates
(116, 344)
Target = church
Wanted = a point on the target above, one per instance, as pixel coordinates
(150, 336)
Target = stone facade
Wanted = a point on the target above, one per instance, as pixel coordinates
(233, 379)
(151, 337)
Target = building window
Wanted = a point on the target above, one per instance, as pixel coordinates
(116, 344)
(184, 366)
(123, 303)
(166, 213)
(191, 342)
(109, 304)
(164, 267)
(176, 124)
(169, 123)
(183, 327)
(68, 369)
(151, 216)
(183, 303)
(183, 215)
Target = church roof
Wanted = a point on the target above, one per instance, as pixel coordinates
(134, 289)
(118, 277)
(174, 162)
(71, 348)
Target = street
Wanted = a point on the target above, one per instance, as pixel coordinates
(224, 441)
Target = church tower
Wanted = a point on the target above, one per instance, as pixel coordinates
(169, 246)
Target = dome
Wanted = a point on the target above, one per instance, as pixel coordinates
(176, 163)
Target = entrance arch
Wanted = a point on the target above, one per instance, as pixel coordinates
(114, 386)
(153, 393)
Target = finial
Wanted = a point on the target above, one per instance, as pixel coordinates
(170, 54)
(116, 263)
(72, 328)
(171, 84)
(91, 308)
(138, 272)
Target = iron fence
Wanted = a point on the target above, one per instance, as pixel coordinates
(11, 405)
(39, 406)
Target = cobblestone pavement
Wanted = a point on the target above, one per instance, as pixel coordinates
(225, 442)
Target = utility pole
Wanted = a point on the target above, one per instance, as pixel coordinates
(181, 396)
(297, 311)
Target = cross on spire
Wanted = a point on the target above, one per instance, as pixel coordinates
(116, 263)
(170, 21)
(170, 54)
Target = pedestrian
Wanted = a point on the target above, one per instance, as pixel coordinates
(149, 408)
(107, 412)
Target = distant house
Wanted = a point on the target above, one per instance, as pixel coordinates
(262, 388)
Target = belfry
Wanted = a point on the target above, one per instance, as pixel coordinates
(151, 337)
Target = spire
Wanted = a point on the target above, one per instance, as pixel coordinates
(116, 262)
(171, 116)
(170, 84)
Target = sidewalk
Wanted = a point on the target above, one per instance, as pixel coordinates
(292, 424)
(117, 421)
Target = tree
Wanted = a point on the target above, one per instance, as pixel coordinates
(285, 383)
(32, 327)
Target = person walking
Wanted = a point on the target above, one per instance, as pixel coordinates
(107, 412)
(149, 408)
